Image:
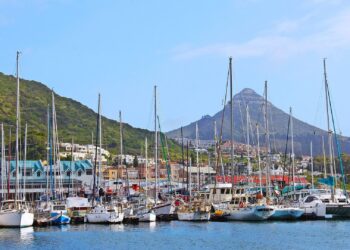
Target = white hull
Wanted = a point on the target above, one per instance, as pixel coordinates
(147, 217)
(252, 213)
(193, 216)
(15, 218)
(164, 209)
(108, 217)
(313, 207)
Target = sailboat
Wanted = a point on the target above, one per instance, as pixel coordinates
(58, 208)
(194, 210)
(337, 200)
(239, 208)
(144, 214)
(163, 209)
(15, 213)
(101, 213)
(285, 211)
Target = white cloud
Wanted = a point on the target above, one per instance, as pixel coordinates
(283, 40)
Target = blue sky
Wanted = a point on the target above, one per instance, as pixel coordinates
(122, 48)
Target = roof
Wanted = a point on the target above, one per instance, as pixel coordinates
(34, 165)
(82, 165)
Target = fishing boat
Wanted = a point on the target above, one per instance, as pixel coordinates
(146, 215)
(194, 211)
(77, 208)
(15, 213)
(59, 214)
(105, 214)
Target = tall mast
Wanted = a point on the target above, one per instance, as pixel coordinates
(48, 154)
(3, 166)
(292, 141)
(95, 165)
(231, 124)
(248, 141)
(17, 128)
(197, 156)
(259, 160)
(100, 146)
(156, 144)
(268, 191)
(324, 159)
(312, 166)
(187, 163)
(146, 156)
(328, 127)
(121, 137)
(71, 169)
(183, 157)
(25, 161)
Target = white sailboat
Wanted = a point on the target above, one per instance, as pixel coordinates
(15, 213)
(163, 209)
(101, 213)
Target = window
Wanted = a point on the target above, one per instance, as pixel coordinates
(14, 174)
(88, 171)
(68, 173)
(38, 174)
(79, 173)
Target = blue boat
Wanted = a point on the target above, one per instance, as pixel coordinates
(287, 213)
(59, 215)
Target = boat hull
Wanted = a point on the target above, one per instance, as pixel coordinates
(16, 219)
(254, 213)
(287, 213)
(193, 216)
(147, 217)
(105, 217)
(59, 219)
(338, 210)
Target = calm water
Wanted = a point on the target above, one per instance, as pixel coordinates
(182, 235)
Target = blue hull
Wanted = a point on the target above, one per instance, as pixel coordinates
(60, 220)
(285, 214)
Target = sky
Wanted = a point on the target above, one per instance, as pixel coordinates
(121, 49)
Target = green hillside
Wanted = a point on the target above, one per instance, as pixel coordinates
(74, 120)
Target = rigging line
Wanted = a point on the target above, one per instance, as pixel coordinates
(242, 123)
(222, 124)
(286, 148)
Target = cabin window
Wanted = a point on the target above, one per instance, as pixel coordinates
(38, 174)
(222, 191)
(14, 174)
(79, 173)
(68, 173)
(89, 172)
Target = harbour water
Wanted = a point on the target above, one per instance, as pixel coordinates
(325, 234)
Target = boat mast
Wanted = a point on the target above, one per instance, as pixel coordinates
(197, 156)
(312, 166)
(231, 124)
(259, 160)
(146, 156)
(17, 129)
(248, 141)
(292, 141)
(100, 148)
(156, 145)
(95, 165)
(3, 162)
(324, 159)
(25, 161)
(121, 137)
(268, 191)
(71, 169)
(328, 127)
(183, 157)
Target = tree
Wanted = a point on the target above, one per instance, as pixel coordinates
(135, 162)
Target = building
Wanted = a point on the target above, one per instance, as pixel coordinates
(76, 175)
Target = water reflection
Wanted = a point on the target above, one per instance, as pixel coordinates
(26, 234)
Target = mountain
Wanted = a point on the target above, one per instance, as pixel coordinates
(74, 120)
(278, 124)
